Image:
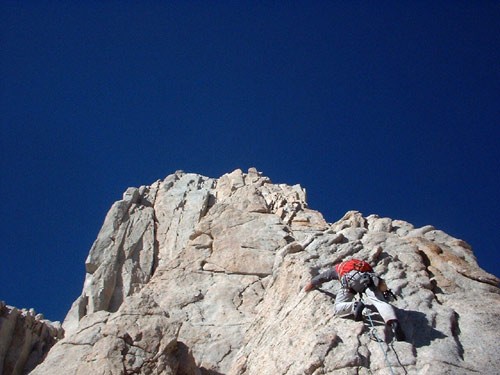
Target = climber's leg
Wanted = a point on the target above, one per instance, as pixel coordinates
(385, 310)
(344, 304)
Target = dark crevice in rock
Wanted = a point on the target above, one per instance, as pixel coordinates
(196, 298)
(117, 294)
(228, 352)
(69, 343)
(242, 292)
(209, 203)
(455, 331)
(205, 371)
(426, 261)
(401, 365)
(92, 325)
(260, 275)
(156, 245)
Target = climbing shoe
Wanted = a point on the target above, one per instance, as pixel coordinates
(397, 332)
(358, 310)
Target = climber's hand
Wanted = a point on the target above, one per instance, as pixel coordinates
(309, 286)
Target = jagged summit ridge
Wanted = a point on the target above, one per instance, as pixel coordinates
(194, 275)
(25, 338)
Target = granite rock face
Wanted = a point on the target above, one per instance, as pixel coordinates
(194, 275)
(25, 339)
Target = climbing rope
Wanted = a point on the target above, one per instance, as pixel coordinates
(373, 333)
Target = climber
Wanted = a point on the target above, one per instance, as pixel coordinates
(357, 276)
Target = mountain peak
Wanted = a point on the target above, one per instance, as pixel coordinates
(199, 275)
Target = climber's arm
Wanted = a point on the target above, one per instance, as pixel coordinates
(323, 277)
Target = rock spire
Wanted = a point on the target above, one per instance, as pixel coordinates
(25, 339)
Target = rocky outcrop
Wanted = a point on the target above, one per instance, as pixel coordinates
(25, 339)
(296, 333)
(194, 275)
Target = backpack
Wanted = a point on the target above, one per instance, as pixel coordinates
(352, 264)
(356, 281)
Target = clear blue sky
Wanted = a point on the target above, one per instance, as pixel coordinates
(389, 108)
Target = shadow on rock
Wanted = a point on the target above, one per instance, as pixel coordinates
(187, 363)
(204, 371)
(417, 328)
(415, 325)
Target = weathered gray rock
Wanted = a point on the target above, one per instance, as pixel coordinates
(25, 339)
(442, 316)
(139, 337)
(194, 275)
